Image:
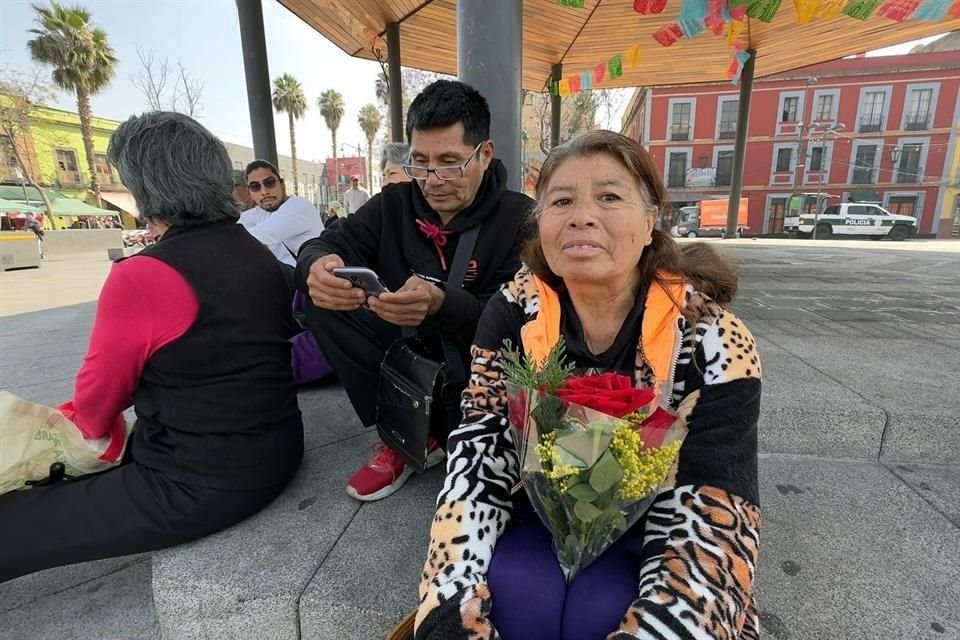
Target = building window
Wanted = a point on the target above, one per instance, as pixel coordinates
(864, 164)
(8, 160)
(784, 158)
(919, 112)
(791, 105)
(871, 114)
(908, 169)
(816, 159)
(902, 205)
(728, 120)
(680, 121)
(677, 173)
(724, 168)
(67, 173)
(824, 107)
(104, 172)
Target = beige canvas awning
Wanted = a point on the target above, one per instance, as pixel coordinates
(582, 38)
(121, 200)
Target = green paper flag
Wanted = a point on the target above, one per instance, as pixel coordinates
(764, 10)
(862, 9)
(576, 4)
(615, 67)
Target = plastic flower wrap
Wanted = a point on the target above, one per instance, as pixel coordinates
(593, 452)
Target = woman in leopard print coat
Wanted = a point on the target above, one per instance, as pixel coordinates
(624, 297)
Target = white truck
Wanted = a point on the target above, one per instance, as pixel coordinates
(853, 219)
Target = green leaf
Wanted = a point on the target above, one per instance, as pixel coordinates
(586, 511)
(606, 473)
(618, 521)
(583, 492)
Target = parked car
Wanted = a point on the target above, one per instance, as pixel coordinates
(857, 219)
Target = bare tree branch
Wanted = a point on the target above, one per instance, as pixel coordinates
(187, 92)
(151, 81)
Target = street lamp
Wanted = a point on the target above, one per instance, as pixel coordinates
(824, 132)
(895, 155)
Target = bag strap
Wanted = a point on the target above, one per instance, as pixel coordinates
(458, 271)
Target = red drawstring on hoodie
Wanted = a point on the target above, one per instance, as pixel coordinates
(438, 235)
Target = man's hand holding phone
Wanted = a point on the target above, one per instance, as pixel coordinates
(409, 306)
(329, 291)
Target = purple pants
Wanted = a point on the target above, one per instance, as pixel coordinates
(531, 599)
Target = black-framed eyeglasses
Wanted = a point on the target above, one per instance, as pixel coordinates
(445, 173)
(267, 183)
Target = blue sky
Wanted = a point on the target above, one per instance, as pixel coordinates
(205, 36)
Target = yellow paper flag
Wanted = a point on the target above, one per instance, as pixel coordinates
(806, 10)
(734, 31)
(564, 88)
(830, 8)
(633, 56)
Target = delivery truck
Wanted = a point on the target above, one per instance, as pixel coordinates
(709, 219)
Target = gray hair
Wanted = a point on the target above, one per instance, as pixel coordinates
(178, 172)
(396, 152)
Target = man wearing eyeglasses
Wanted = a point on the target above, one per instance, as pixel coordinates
(282, 223)
(408, 234)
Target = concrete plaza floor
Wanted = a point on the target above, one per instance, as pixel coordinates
(859, 472)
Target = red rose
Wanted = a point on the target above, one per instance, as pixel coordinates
(609, 393)
(654, 428)
(517, 410)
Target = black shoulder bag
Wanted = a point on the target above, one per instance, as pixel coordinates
(419, 393)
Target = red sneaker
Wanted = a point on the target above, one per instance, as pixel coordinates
(386, 472)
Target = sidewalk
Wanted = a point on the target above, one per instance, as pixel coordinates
(859, 476)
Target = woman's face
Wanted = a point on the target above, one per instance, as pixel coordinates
(595, 222)
(393, 173)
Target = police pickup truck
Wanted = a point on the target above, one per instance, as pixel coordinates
(853, 219)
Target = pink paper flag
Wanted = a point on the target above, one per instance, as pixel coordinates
(645, 7)
(574, 84)
(898, 10)
(599, 72)
(668, 34)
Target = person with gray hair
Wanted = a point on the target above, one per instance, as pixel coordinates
(192, 332)
(395, 155)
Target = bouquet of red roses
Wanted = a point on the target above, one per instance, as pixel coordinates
(593, 451)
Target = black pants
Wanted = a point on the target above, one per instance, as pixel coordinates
(354, 343)
(128, 509)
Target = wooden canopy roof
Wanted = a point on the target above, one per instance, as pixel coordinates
(583, 38)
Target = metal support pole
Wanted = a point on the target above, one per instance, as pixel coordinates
(740, 147)
(257, 73)
(555, 74)
(489, 54)
(395, 80)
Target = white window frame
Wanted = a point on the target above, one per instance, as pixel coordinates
(878, 159)
(716, 157)
(766, 209)
(924, 150)
(776, 177)
(666, 164)
(693, 118)
(887, 90)
(808, 172)
(907, 194)
(816, 100)
(908, 99)
(720, 102)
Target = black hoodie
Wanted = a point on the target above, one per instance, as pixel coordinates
(383, 235)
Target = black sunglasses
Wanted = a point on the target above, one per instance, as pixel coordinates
(268, 183)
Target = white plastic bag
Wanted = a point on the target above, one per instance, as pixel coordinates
(33, 436)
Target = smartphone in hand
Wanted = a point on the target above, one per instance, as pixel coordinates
(362, 278)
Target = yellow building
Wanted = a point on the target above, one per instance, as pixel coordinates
(57, 159)
(949, 212)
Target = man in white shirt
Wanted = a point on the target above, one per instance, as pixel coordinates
(282, 223)
(355, 196)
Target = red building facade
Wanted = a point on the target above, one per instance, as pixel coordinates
(899, 117)
(347, 168)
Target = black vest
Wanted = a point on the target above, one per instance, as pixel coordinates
(217, 407)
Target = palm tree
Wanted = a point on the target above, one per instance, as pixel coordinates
(331, 108)
(370, 121)
(82, 61)
(288, 98)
